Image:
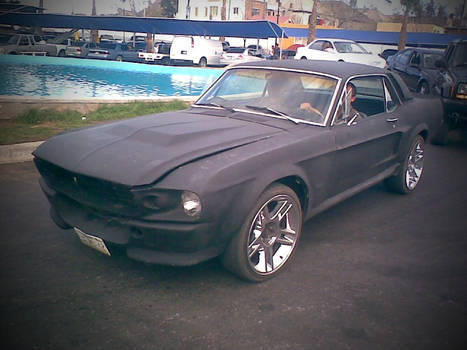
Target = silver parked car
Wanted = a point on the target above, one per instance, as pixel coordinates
(235, 55)
(78, 49)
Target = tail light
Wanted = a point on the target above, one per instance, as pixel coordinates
(78, 49)
(105, 52)
(240, 56)
(192, 42)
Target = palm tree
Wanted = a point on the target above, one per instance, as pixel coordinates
(408, 6)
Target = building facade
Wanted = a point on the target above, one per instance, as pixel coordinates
(211, 9)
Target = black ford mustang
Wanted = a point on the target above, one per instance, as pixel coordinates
(267, 146)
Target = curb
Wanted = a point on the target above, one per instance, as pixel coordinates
(21, 152)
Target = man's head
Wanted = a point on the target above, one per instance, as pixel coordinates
(351, 91)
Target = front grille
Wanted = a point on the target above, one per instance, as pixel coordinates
(92, 192)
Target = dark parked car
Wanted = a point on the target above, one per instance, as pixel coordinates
(116, 51)
(267, 146)
(417, 68)
(452, 86)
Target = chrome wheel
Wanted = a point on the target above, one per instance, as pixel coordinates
(414, 165)
(273, 234)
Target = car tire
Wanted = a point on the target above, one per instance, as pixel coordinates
(412, 169)
(119, 59)
(303, 58)
(203, 62)
(61, 53)
(423, 88)
(268, 238)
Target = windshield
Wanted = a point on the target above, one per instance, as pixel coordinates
(459, 57)
(429, 60)
(302, 96)
(13, 39)
(349, 47)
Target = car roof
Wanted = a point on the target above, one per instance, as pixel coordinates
(336, 39)
(342, 70)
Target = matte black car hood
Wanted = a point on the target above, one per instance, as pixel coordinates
(139, 151)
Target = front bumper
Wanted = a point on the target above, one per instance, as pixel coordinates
(455, 109)
(167, 243)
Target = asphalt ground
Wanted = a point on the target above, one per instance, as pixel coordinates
(378, 271)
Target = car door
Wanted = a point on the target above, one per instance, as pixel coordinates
(412, 71)
(316, 50)
(367, 148)
(24, 44)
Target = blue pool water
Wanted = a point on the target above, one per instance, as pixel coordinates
(71, 78)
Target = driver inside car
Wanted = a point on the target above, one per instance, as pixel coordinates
(282, 91)
(347, 112)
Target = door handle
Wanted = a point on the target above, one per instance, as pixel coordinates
(392, 120)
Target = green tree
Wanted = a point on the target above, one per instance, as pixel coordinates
(169, 8)
(430, 8)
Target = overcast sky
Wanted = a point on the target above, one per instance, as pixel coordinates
(110, 6)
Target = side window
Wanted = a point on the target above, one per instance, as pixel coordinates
(24, 41)
(370, 95)
(317, 45)
(415, 59)
(392, 101)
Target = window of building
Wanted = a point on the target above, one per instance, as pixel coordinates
(205, 12)
(235, 10)
(254, 11)
(196, 12)
(214, 11)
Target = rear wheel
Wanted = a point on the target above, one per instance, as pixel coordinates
(203, 62)
(303, 58)
(61, 53)
(268, 237)
(410, 174)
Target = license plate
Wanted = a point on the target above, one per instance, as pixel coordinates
(92, 241)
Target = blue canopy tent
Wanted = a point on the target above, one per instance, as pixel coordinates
(239, 29)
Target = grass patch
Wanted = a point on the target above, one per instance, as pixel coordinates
(38, 125)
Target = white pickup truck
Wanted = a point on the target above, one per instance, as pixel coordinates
(161, 54)
(28, 44)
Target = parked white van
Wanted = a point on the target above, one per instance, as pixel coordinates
(195, 50)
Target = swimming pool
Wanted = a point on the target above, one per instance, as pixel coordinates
(72, 78)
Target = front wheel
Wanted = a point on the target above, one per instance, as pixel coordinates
(409, 176)
(268, 237)
(203, 62)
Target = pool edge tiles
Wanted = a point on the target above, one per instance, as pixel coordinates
(106, 64)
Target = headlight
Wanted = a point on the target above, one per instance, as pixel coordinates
(461, 91)
(191, 204)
